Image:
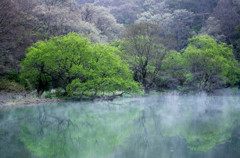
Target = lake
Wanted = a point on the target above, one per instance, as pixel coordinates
(155, 126)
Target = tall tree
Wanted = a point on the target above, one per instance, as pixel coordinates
(144, 51)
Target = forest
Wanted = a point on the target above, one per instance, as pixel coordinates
(102, 47)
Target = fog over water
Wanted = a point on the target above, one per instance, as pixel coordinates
(155, 126)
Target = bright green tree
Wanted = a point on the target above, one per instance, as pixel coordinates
(53, 60)
(71, 62)
(107, 73)
(209, 64)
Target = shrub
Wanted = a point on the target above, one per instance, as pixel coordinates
(59, 92)
(48, 95)
(15, 77)
(8, 86)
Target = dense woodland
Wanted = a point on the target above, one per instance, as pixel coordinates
(93, 47)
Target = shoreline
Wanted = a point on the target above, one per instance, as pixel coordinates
(22, 100)
(27, 99)
(28, 102)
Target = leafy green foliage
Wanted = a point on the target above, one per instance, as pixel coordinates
(205, 64)
(48, 95)
(209, 64)
(59, 92)
(172, 72)
(107, 73)
(72, 63)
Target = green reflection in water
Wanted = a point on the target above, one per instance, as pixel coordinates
(145, 127)
(203, 128)
(81, 133)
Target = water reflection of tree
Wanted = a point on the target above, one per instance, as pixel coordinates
(183, 130)
(44, 134)
(75, 133)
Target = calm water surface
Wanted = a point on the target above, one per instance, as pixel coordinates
(145, 127)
